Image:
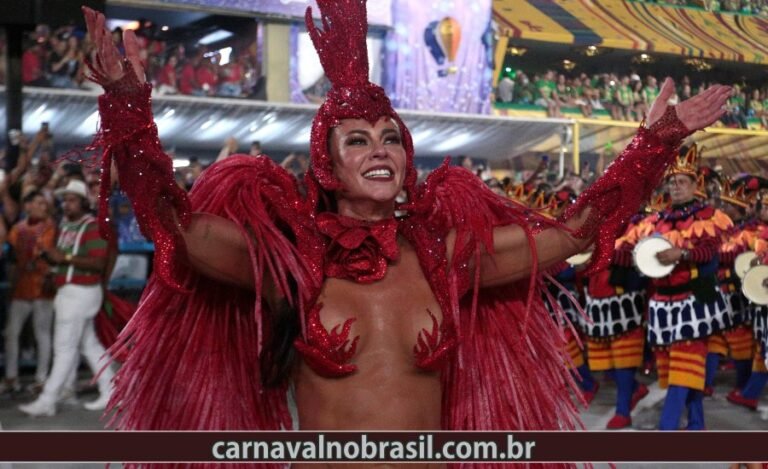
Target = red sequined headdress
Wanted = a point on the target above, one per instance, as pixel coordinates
(344, 56)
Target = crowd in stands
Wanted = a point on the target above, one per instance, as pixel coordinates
(32, 188)
(57, 58)
(753, 7)
(625, 97)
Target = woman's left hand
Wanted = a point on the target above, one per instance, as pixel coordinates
(697, 112)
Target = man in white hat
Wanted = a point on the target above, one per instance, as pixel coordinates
(79, 259)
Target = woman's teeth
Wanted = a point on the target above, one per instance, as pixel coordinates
(377, 173)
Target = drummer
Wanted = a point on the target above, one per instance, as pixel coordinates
(736, 340)
(616, 305)
(682, 310)
(749, 395)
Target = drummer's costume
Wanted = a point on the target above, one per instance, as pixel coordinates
(736, 340)
(749, 395)
(683, 310)
(616, 306)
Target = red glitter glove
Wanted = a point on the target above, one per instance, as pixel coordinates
(129, 135)
(627, 183)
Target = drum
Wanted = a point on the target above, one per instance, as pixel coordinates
(645, 257)
(743, 263)
(580, 258)
(752, 285)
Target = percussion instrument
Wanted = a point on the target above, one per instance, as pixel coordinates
(645, 257)
(579, 259)
(743, 263)
(752, 285)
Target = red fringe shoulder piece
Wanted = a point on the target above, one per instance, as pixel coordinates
(510, 369)
(114, 314)
(192, 349)
(202, 348)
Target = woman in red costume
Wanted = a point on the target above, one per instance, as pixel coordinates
(431, 320)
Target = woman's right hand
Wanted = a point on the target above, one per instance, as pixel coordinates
(106, 61)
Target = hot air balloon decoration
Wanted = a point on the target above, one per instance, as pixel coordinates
(443, 39)
(430, 39)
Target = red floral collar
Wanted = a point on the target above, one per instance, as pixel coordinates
(358, 250)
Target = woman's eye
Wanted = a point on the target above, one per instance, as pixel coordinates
(392, 140)
(356, 141)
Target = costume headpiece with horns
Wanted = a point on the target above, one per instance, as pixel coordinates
(736, 196)
(687, 164)
(752, 184)
(547, 207)
(341, 45)
(520, 193)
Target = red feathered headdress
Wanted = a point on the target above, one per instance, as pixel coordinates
(344, 55)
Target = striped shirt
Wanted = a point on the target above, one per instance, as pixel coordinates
(80, 238)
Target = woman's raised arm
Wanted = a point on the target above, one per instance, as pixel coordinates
(603, 210)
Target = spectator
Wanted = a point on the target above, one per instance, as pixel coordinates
(62, 62)
(231, 80)
(637, 97)
(83, 81)
(207, 77)
(188, 81)
(229, 149)
(316, 93)
(194, 171)
(254, 84)
(166, 81)
(117, 38)
(563, 91)
(736, 113)
(649, 92)
(527, 92)
(506, 90)
(623, 110)
(255, 148)
(33, 65)
(297, 164)
(80, 259)
(580, 97)
(756, 104)
(92, 181)
(32, 291)
(547, 94)
(467, 163)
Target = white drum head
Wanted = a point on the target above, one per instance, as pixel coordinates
(743, 263)
(645, 257)
(752, 285)
(580, 258)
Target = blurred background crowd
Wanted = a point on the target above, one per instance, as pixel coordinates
(624, 96)
(755, 7)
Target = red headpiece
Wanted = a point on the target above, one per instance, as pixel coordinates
(344, 55)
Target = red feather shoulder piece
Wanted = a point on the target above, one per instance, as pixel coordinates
(509, 370)
(202, 348)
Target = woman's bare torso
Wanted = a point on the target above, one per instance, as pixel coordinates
(387, 392)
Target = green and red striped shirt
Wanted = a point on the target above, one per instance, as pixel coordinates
(80, 238)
